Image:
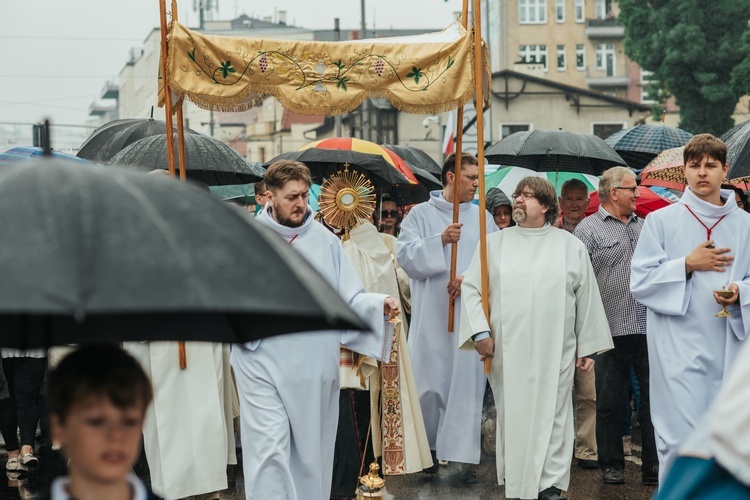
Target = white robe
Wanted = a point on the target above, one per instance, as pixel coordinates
(289, 384)
(690, 350)
(188, 433)
(450, 382)
(545, 312)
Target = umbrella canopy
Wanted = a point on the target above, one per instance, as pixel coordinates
(207, 160)
(672, 195)
(647, 202)
(112, 137)
(246, 194)
(24, 153)
(554, 151)
(119, 255)
(639, 145)
(423, 176)
(415, 157)
(666, 170)
(506, 179)
(737, 140)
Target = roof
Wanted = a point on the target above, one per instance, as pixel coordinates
(290, 118)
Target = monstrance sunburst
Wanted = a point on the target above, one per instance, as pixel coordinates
(345, 197)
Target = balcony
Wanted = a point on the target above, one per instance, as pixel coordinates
(604, 29)
(110, 91)
(608, 82)
(97, 109)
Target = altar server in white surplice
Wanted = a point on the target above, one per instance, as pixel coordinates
(546, 319)
(685, 252)
(450, 382)
(188, 434)
(289, 384)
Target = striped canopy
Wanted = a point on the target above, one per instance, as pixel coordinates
(507, 178)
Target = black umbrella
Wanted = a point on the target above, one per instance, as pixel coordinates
(554, 151)
(385, 178)
(639, 145)
(112, 137)
(737, 140)
(207, 160)
(112, 254)
(417, 158)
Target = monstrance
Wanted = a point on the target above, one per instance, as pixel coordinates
(345, 197)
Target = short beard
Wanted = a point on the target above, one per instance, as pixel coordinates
(285, 221)
(519, 215)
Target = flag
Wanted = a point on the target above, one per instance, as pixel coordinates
(449, 135)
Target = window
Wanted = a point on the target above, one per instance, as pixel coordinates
(605, 58)
(603, 9)
(511, 128)
(561, 58)
(532, 11)
(604, 130)
(560, 11)
(580, 10)
(646, 98)
(533, 54)
(580, 58)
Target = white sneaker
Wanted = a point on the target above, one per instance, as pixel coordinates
(28, 460)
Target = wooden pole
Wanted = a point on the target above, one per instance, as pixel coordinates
(457, 174)
(168, 119)
(180, 129)
(479, 104)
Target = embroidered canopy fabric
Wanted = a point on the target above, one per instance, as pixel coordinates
(426, 74)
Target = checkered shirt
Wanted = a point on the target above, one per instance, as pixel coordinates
(611, 244)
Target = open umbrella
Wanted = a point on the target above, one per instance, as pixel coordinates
(415, 157)
(506, 179)
(119, 255)
(640, 144)
(647, 202)
(737, 140)
(207, 160)
(554, 151)
(24, 153)
(666, 170)
(112, 137)
(424, 177)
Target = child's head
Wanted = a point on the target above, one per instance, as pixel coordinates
(706, 166)
(98, 398)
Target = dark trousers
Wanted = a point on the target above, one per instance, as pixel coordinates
(21, 410)
(612, 388)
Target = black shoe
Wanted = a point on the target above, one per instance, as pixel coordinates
(469, 477)
(435, 466)
(613, 476)
(588, 464)
(551, 493)
(650, 476)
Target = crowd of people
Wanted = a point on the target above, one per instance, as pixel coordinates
(584, 311)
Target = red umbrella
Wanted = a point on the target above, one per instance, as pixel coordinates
(647, 202)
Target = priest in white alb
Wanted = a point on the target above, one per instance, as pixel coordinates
(289, 384)
(685, 253)
(451, 383)
(546, 319)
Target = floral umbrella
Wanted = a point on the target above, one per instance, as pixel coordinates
(666, 170)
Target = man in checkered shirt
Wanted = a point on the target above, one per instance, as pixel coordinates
(611, 235)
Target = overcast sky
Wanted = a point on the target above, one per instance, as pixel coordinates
(56, 55)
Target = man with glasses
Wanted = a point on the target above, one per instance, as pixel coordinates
(611, 235)
(450, 383)
(546, 319)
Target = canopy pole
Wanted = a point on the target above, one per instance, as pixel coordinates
(180, 137)
(167, 93)
(181, 350)
(479, 105)
(457, 177)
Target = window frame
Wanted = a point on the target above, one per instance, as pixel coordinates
(560, 8)
(579, 4)
(525, 7)
(582, 51)
(560, 50)
(536, 52)
(601, 62)
(623, 125)
(529, 127)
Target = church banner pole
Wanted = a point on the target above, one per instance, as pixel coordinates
(167, 93)
(457, 177)
(479, 105)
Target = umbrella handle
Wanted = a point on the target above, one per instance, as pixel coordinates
(183, 355)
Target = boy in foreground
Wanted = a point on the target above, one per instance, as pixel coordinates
(98, 399)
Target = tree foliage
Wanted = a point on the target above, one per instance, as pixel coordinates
(693, 48)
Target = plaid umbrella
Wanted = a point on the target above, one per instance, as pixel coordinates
(21, 153)
(737, 140)
(507, 178)
(666, 170)
(639, 145)
(554, 151)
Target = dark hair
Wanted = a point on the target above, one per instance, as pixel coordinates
(545, 194)
(738, 190)
(574, 184)
(260, 187)
(705, 145)
(450, 164)
(283, 171)
(98, 370)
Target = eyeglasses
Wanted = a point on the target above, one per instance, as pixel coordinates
(631, 189)
(389, 213)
